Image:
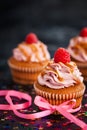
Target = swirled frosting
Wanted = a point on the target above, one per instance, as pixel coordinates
(31, 52)
(78, 48)
(60, 75)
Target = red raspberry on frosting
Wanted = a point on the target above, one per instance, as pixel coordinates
(61, 55)
(31, 38)
(83, 32)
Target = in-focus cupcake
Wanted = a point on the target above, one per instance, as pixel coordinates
(78, 50)
(60, 80)
(28, 60)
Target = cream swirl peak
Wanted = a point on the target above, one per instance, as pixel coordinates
(31, 52)
(60, 75)
(78, 48)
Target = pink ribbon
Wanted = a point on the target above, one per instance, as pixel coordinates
(17, 94)
(64, 109)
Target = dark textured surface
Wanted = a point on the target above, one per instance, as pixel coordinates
(8, 121)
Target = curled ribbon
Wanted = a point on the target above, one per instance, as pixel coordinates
(64, 109)
(20, 95)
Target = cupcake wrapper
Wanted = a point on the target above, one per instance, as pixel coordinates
(56, 99)
(49, 95)
(24, 77)
(23, 72)
(26, 69)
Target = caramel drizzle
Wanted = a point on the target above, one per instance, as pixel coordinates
(34, 49)
(79, 46)
(50, 69)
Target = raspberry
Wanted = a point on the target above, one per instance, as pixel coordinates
(83, 32)
(61, 55)
(31, 38)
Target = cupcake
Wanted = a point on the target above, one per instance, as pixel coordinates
(28, 60)
(60, 80)
(78, 50)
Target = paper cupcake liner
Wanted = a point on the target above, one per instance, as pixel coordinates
(56, 99)
(30, 68)
(23, 77)
(25, 73)
(49, 95)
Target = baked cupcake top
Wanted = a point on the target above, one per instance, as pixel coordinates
(32, 49)
(78, 46)
(60, 72)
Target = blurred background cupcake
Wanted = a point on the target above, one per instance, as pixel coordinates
(78, 49)
(28, 60)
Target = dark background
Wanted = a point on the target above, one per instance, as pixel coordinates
(54, 21)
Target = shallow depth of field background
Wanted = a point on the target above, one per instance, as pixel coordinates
(54, 22)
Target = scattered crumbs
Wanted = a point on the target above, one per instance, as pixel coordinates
(83, 113)
(26, 124)
(32, 122)
(66, 123)
(62, 117)
(2, 119)
(79, 114)
(23, 110)
(34, 111)
(5, 112)
(16, 128)
(48, 123)
(9, 117)
(21, 123)
(33, 92)
(52, 121)
(85, 105)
